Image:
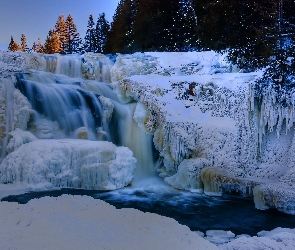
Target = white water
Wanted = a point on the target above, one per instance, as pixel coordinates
(69, 106)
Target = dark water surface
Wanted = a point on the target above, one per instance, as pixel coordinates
(198, 212)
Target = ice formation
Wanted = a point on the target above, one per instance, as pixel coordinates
(200, 107)
(43, 164)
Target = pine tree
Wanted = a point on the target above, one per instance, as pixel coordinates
(281, 40)
(102, 30)
(60, 29)
(39, 47)
(120, 35)
(52, 44)
(73, 41)
(24, 47)
(146, 25)
(13, 46)
(90, 37)
(34, 47)
(187, 26)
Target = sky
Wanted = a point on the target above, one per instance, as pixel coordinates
(35, 18)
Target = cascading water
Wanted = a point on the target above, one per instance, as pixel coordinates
(68, 106)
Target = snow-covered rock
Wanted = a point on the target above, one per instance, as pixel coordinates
(277, 239)
(45, 164)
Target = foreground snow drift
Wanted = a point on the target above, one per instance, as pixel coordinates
(80, 222)
(44, 164)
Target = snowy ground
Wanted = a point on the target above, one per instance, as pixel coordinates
(80, 222)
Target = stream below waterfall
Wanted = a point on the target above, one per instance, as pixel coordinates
(198, 212)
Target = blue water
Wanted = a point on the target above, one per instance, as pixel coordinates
(198, 212)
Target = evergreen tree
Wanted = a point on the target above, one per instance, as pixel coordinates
(61, 31)
(34, 47)
(13, 46)
(146, 25)
(120, 35)
(281, 40)
(24, 47)
(39, 47)
(102, 30)
(73, 41)
(90, 38)
(187, 38)
(52, 44)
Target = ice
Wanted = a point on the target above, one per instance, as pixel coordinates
(219, 236)
(18, 138)
(45, 164)
(277, 239)
(188, 176)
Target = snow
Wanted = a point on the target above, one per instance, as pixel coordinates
(80, 222)
(277, 239)
(47, 164)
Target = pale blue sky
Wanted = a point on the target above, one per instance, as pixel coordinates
(35, 18)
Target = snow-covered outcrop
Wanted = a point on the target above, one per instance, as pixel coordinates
(201, 108)
(45, 164)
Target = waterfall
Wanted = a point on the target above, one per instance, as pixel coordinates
(65, 105)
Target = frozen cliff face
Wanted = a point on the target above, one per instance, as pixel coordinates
(200, 107)
(45, 164)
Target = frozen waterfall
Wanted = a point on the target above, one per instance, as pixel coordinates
(69, 98)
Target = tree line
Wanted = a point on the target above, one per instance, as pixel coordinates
(65, 39)
(255, 33)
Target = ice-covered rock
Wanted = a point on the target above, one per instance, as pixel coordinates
(45, 164)
(277, 239)
(188, 176)
(19, 137)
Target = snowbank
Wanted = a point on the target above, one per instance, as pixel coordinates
(45, 164)
(80, 222)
